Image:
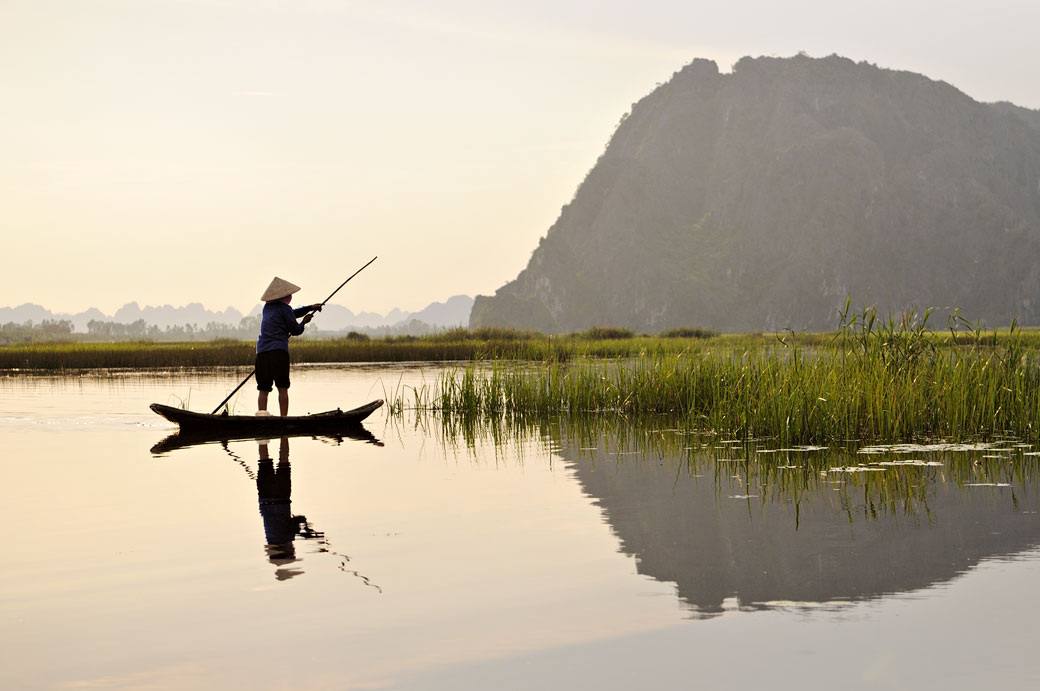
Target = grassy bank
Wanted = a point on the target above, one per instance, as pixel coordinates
(136, 355)
(146, 355)
(451, 346)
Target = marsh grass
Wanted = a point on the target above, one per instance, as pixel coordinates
(875, 379)
(452, 346)
(134, 354)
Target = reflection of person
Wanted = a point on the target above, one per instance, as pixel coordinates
(274, 492)
(272, 348)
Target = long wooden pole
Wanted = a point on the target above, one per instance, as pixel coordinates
(233, 392)
(312, 312)
(348, 280)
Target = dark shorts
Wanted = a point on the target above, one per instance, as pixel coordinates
(272, 367)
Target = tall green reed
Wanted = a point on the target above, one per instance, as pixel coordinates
(890, 379)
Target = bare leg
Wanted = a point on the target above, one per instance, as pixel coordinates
(261, 400)
(283, 401)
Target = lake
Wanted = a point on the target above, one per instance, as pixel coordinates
(603, 554)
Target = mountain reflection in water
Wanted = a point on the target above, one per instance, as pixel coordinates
(775, 528)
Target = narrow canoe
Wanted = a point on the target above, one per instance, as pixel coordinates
(331, 420)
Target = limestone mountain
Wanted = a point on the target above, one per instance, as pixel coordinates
(762, 198)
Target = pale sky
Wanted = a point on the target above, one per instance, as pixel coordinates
(176, 151)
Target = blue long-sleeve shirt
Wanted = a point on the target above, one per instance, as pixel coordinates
(277, 324)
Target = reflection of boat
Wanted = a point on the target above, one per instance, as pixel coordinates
(185, 438)
(271, 425)
(283, 528)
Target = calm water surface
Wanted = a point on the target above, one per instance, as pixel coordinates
(602, 556)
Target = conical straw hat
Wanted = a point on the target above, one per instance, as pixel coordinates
(278, 289)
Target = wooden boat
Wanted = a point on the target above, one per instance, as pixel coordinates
(267, 425)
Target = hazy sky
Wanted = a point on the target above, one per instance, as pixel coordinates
(176, 151)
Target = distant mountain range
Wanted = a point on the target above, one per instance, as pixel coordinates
(763, 198)
(454, 312)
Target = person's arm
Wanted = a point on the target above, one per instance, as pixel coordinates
(307, 312)
(295, 328)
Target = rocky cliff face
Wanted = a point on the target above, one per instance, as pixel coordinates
(761, 199)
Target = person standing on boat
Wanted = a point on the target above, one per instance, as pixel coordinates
(272, 348)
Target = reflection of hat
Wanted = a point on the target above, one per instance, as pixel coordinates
(278, 289)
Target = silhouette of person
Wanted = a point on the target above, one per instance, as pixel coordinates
(281, 527)
(277, 324)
